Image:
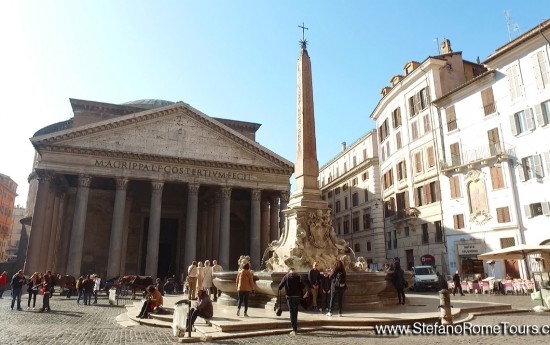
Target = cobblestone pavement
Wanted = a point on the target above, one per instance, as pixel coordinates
(69, 323)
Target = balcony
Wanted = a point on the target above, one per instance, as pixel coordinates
(478, 155)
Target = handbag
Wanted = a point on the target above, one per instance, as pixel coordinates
(279, 310)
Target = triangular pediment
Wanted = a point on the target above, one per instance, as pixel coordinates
(177, 132)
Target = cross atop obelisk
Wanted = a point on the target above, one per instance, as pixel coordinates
(306, 167)
(303, 42)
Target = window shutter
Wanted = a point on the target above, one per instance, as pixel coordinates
(451, 118)
(455, 218)
(488, 100)
(545, 207)
(539, 115)
(407, 202)
(539, 173)
(537, 71)
(521, 173)
(544, 68)
(547, 161)
(437, 191)
(427, 194)
(511, 86)
(513, 125)
(528, 213)
(416, 199)
(530, 119)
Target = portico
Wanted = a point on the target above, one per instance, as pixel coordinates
(149, 191)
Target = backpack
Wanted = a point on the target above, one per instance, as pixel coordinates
(340, 280)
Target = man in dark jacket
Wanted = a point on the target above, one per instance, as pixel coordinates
(314, 277)
(204, 308)
(17, 282)
(292, 282)
(458, 286)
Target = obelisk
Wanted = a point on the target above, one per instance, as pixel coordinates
(308, 235)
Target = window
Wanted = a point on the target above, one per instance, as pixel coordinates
(396, 117)
(356, 247)
(454, 182)
(413, 107)
(337, 206)
(337, 190)
(345, 168)
(431, 156)
(355, 224)
(383, 131)
(451, 118)
(542, 113)
(389, 207)
(418, 162)
(345, 203)
(419, 196)
(394, 239)
(366, 195)
(537, 209)
(388, 245)
(530, 168)
(354, 160)
(369, 247)
(387, 179)
(346, 226)
(496, 177)
(433, 192)
(494, 141)
(401, 170)
(355, 199)
(522, 121)
(541, 70)
(398, 143)
(414, 130)
(438, 231)
(401, 200)
(365, 175)
(488, 101)
(425, 235)
(515, 84)
(455, 154)
(345, 187)
(503, 215)
(506, 242)
(427, 124)
(459, 221)
(366, 221)
(424, 98)
(354, 181)
(407, 231)
(330, 194)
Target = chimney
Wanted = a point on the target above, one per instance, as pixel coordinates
(343, 146)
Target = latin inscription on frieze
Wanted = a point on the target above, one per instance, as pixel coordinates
(171, 169)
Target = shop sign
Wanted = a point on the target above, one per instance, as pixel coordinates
(427, 260)
(470, 249)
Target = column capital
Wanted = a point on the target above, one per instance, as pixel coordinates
(255, 194)
(285, 196)
(157, 185)
(226, 192)
(274, 200)
(121, 183)
(264, 204)
(194, 188)
(42, 176)
(84, 181)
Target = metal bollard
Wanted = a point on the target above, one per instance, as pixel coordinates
(445, 306)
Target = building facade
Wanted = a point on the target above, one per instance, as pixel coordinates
(8, 192)
(496, 158)
(409, 140)
(349, 183)
(15, 233)
(147, 187)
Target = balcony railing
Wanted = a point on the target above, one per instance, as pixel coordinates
(478, 154)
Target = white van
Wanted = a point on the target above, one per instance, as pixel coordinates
(424, 278)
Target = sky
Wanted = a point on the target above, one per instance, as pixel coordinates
(231, 59)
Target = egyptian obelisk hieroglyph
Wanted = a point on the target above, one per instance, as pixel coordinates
(308, 235)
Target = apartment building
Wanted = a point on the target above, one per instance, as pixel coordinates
(409, 139)
(350, 184)
(495, 182)
(8, 193)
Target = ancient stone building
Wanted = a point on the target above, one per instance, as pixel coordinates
(147, 187)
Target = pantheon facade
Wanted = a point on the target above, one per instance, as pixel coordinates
(148, 186)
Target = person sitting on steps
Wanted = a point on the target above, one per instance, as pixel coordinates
(203, 309)
(153, 300)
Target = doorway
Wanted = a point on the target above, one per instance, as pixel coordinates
(167, 247)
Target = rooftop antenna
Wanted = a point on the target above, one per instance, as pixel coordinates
(436, 40)
(509, 25)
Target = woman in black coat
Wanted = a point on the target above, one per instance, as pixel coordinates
(338, 286)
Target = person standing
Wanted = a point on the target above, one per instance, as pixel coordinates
(203, 309)
(80, 289)
(17, 282)
(245, 285)
(292, 283)
(97, 287)
(191, 280)
(314, 277)
(88, 285)
(458, 286)
(200, 276)
(337, 287)
(207, 280)
(3, 282)
(46, 287)
(215, 268)
(324, 290)
(32, 288)
(399, 282)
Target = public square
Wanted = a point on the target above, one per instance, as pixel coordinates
(69, 323)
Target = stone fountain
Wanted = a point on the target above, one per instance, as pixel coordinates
(308, 235)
